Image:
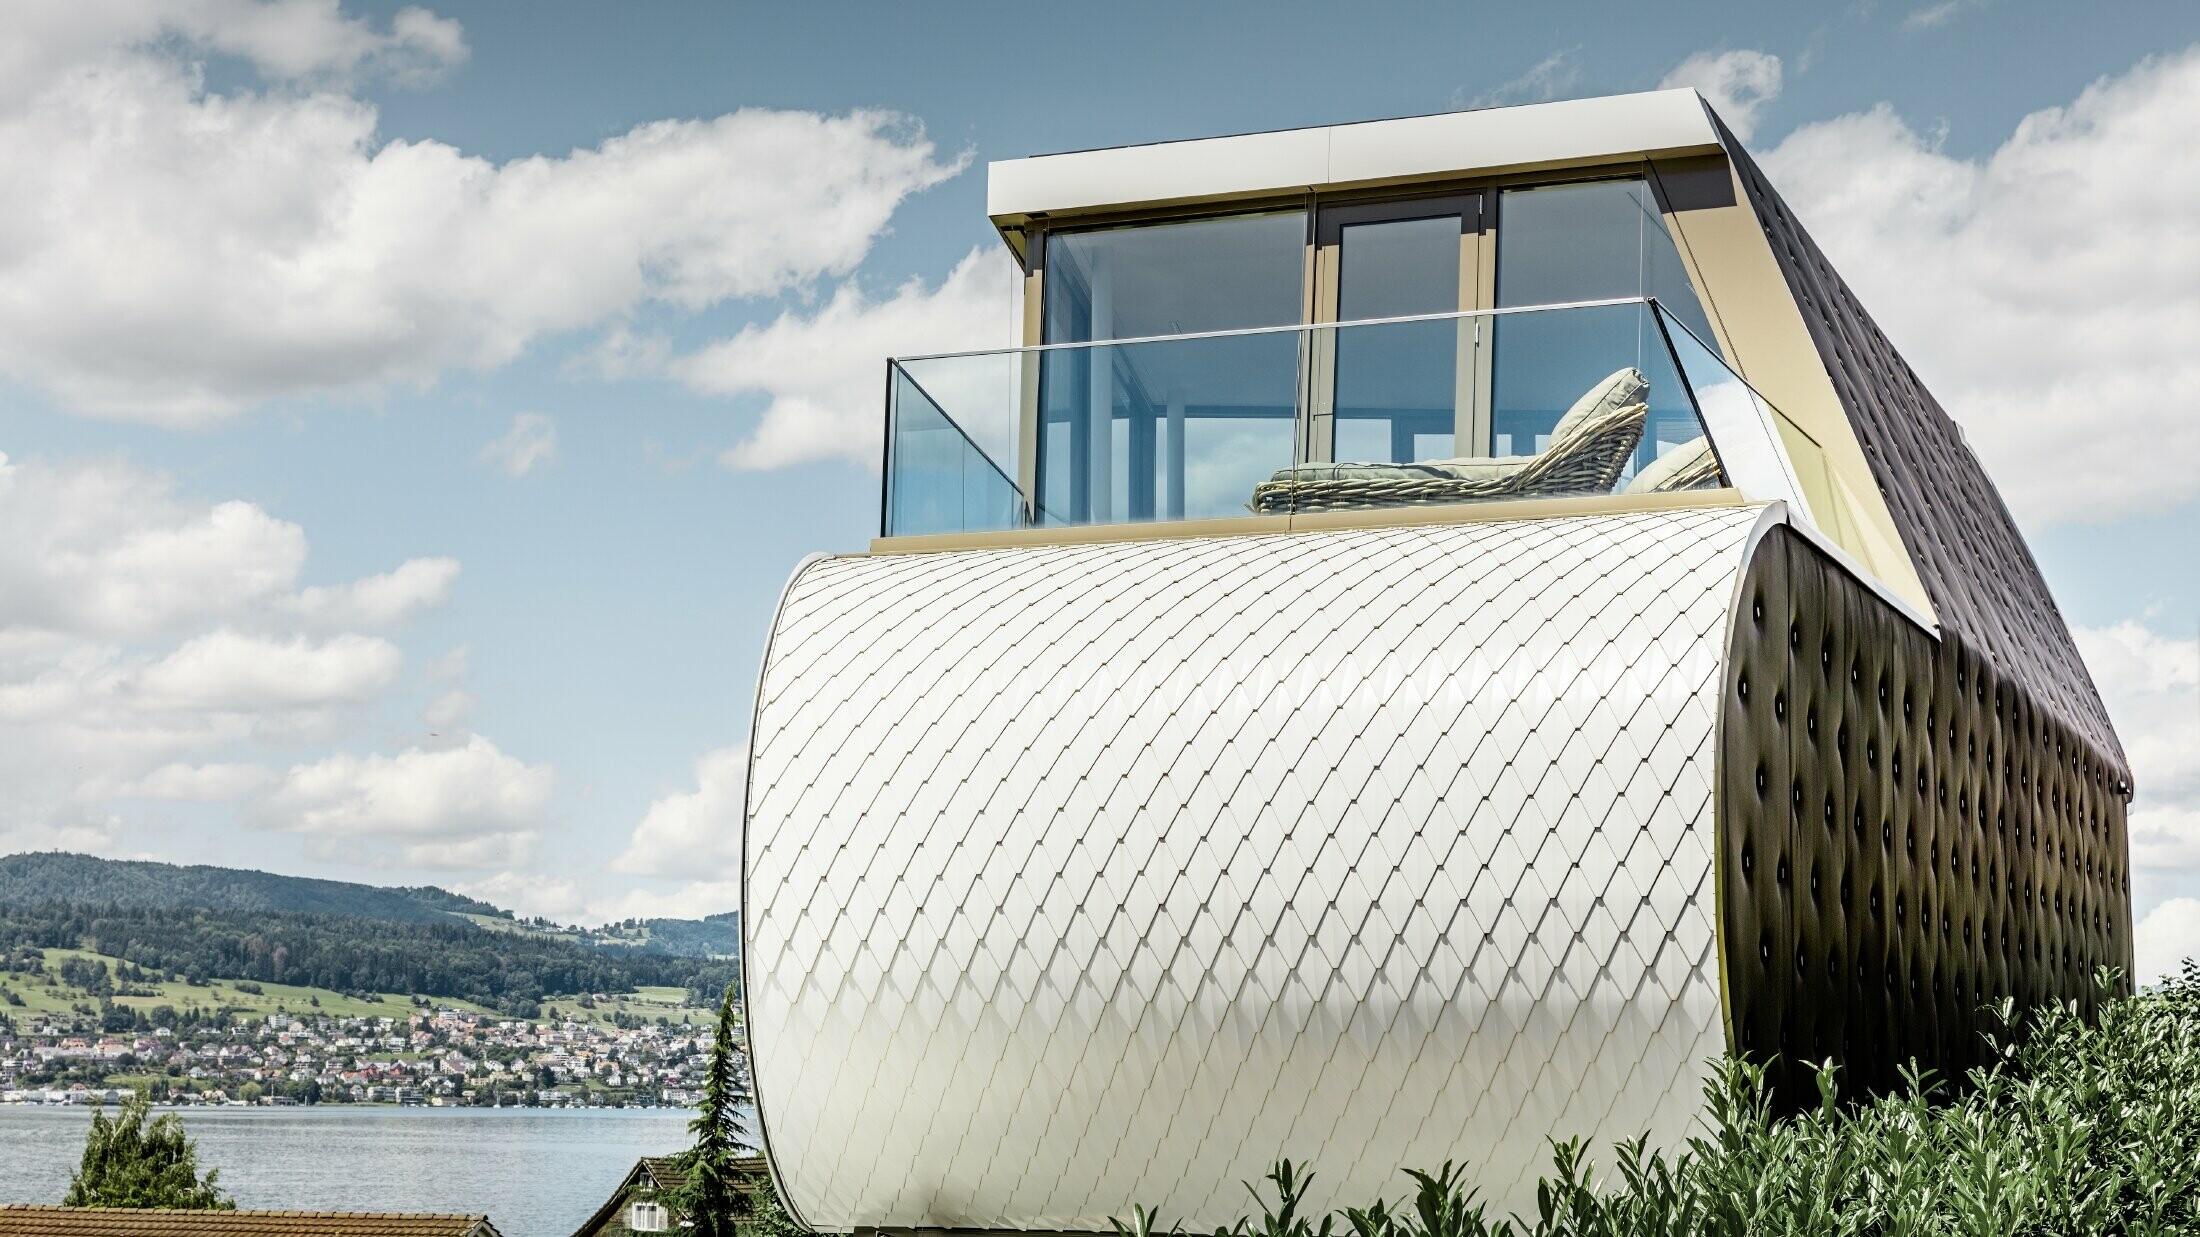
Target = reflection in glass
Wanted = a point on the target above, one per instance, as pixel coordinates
(1396, 392)
(1221, 274)
(1607, 367)
(1556, 244)
(1164, 430)
(938, 480)
(1742, 424)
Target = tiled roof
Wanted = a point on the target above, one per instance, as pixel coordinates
(23, 1220)
(669, 1172)
(666, 1172)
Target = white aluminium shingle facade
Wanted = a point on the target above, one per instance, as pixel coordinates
(1114, 872)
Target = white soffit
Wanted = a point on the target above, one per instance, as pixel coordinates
(1576, 131)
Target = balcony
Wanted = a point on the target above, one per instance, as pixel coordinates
(1592, 400)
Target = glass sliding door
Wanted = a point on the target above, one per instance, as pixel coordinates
(1406, 392)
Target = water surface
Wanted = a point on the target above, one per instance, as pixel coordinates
(536, 1172)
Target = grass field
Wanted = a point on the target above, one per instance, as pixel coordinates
(59, 998)
(650, 1003)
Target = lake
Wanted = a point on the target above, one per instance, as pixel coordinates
(536, 1172)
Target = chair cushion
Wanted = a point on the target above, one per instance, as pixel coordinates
(1684, 467)
(1620, 390)
(1619, 395)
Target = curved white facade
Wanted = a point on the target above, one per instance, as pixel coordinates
(1085, 876)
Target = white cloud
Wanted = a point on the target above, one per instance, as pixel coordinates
(693, 900)
(1738, 83)
(531, 442)
(823, 372)
(172, 254)
(451, 666)
(1932, 15)
(228, 670)
(208, 783)
(429, 799)
(383, 600)
(697, 832)
(283, 39)
(107, 550)
(156, 647)
(528, 894)
(2168, 935)
(2045, 292)
(1547, 79)
(490, 850)
(449, 711)
(2151, 683)
(563, 900)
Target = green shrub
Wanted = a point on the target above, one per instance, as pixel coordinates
(2071, 1128)
(130, 1161)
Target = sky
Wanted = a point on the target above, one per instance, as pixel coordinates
(409, 415)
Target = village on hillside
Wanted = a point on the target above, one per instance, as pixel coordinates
(439, 1056)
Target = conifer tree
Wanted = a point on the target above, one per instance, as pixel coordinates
(710, 1199)
(129, 1163)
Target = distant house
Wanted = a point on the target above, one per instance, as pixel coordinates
(643, 1201)
(24, 1220)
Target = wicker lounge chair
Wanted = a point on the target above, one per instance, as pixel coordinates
(1589, 449)
(1689, 466)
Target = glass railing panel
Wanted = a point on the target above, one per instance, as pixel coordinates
(1171, 429)
(1609, 398)
(1589, 400)
(938, 479)
(1398, 388)
(1541, 361)
(1755, 459)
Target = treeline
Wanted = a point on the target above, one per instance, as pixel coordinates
(54, 876)
(713, 936)
(501, 970)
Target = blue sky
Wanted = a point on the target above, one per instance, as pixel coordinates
(410, 415)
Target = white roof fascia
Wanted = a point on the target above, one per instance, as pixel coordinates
(1576, 131)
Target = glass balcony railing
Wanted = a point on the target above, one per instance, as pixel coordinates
(1613, 397)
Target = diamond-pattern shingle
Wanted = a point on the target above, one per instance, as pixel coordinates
(1080, 877)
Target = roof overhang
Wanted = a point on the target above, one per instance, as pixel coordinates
(1368, 154)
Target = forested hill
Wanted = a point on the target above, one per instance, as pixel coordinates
(509, 971)
(31, 879)
(713, 936)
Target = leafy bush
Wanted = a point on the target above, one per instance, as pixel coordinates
(130, 1161)
(2071, 1128)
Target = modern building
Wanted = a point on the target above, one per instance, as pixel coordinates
(1445, 627)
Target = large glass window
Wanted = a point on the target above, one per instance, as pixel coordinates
(1583, 242)
(1176, 278)
(1168, 430)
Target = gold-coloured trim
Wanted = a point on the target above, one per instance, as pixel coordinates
(1759, 327)
(1312, 521)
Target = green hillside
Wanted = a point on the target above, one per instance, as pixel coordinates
(53, 876)
(505, 971)
(35, 879)
(57, 987)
